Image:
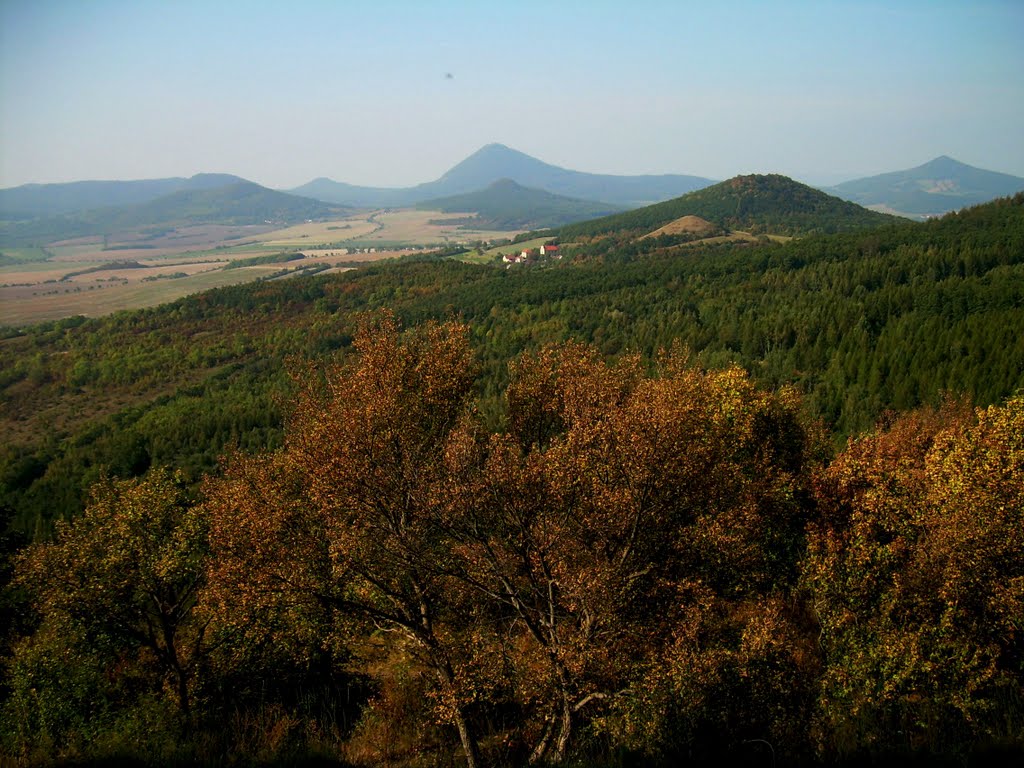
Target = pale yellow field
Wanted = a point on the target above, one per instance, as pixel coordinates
(402, 225)
(34, 272)
(151, 270)
(320, 232)
(43, 271)
(172, 243)
(34, 304)
(83, 252)
(84, 256)
(412, 226)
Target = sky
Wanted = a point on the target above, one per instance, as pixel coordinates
(394, 93)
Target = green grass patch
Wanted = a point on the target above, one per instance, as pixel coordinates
(380, 245)
(270, 258)
(224, 251)
(11, 256)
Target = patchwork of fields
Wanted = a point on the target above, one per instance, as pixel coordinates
(97, 275)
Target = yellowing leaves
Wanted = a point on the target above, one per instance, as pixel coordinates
(662, 557)
(915, 569)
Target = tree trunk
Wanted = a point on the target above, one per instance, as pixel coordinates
(183, 698)
(539, 751)
(565, 729)
(169, 653)
(469, 745)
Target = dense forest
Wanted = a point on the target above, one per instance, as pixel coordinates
(756, 203)
(659, 503)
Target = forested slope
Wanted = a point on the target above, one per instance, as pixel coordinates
(505, 205)
(657, 564)
(237, 202)
(268, 526)
(757, 203)
(860, 323)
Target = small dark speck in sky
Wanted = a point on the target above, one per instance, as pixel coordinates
(449, 76)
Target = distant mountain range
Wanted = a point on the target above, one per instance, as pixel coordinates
(31, 201)
(759, 204)
(507, 205)
(937, 187)
(495, 162)
(507, 188)
(238, 202)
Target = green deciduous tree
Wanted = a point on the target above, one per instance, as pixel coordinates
(116, 594)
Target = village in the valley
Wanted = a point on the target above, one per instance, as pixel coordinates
(532, 255)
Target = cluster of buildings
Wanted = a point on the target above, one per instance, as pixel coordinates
(532, 255)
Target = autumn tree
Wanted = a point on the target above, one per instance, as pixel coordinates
(916, 570)
(612, 499)
(342, 522)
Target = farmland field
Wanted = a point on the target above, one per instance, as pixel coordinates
(324, 232)
(125, 270)
(21, 305)
(392, 226)
(412, 226)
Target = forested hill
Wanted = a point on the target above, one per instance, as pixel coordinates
(30, 201)
(240, 202)
(759, 204)
(507, 205)
(859, 322)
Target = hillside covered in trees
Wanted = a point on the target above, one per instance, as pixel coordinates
(506, 205)
(31, 201)
(219, 199)
(757, 501)
(757, 203)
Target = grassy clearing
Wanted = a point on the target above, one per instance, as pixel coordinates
(734, 236)
(737, 235)
(472, 257)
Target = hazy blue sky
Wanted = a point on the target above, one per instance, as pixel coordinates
(281, 92)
